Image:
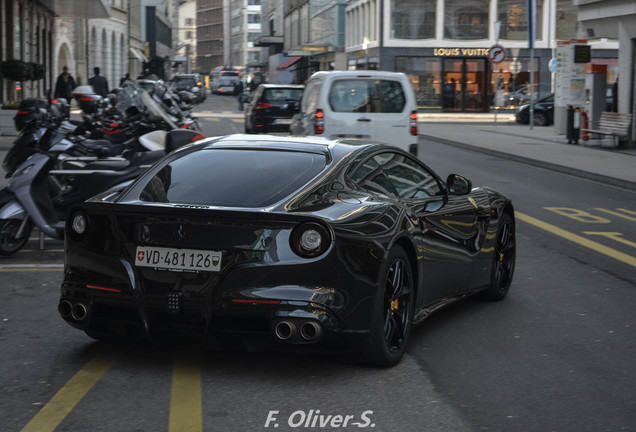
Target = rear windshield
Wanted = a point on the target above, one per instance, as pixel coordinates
(282, 95)
(367, 95)
(185, 82)
(232, 177)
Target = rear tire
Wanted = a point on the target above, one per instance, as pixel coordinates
(503, 262)
(540, 119)
(9, 243)
(393, 313)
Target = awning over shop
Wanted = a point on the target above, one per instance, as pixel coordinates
(287, 63)
(138, 54)
(79, 9)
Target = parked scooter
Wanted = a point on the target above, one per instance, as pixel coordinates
(110, 126)
(48, 184)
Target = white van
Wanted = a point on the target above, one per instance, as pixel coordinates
(374, 105)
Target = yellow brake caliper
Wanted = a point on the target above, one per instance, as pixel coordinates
(395, 304)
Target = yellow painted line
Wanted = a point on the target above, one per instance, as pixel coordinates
(33, 269)
(598, 247)
(52, 414)
(185, 399)
(622, 215)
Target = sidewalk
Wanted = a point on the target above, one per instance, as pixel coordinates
(540, 146)
(501, 136)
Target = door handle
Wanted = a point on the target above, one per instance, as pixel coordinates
(364, 119)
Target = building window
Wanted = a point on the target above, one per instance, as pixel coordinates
(189, 21)
(413, 19)
(466, 20)
(254, 18)
(566, 20)
(513, 16)
(188, 35)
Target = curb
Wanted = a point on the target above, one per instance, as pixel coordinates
(599, 178)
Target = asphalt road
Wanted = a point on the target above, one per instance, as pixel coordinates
(556, 355)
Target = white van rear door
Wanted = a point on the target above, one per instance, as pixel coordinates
(368, 107)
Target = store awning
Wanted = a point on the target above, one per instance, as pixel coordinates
(138, 54)
(79, 9)
(287, 63)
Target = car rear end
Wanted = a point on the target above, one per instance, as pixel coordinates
(273, 108)
(224, 273)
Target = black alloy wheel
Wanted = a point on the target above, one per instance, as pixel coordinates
(9, 242)
(540, 119)
(393, 318)
(504, 256)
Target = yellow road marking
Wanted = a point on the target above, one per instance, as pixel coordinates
(23, 269)
(616, 236)
(52, 414)
(620, 214)
(185, 399)
(612, 253)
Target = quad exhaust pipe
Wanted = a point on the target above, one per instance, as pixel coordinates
(310, 331)
(78, 312)
(284, 330)
(288, 331)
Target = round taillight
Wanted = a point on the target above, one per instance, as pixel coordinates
(310, 240)
(79, 223)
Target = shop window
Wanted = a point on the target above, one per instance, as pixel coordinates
(425, 75)
(413, 19)
(514, 19)
(466, 20)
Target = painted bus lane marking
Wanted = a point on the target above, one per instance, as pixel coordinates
(61, 404)
(185, 400)
(581, 240)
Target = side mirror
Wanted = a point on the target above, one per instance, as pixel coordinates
(458, 185)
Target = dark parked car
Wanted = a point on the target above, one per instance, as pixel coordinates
(543, 112)
(271, 107)
(292, 242)
(192, 83)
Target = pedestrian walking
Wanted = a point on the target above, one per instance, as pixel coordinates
(239, 89)
(99, 83)
(64, 85)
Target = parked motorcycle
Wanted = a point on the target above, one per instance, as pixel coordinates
(46, 185)
(110, 125)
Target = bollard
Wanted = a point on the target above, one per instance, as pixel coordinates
(586, 125)
(576, 125)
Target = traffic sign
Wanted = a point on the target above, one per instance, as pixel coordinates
(496, 54)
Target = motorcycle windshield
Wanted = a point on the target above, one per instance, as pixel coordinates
(133, 96)
(128, 99)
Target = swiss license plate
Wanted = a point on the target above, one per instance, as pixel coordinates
(178, 259)
(282, 121)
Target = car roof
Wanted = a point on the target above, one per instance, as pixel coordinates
(358, 74)
(332, 149)
(283, 86)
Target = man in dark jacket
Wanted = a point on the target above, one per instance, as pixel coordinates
(64, 85)
(99, 83)
(239, 89)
